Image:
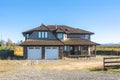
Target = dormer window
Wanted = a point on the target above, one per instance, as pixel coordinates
(27, 36)
(43, 34)
(60, 35)
(87, 36)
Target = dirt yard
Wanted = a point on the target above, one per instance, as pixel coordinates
(66, 69)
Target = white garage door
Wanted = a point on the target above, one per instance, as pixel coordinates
(51, 52)
(34, 52)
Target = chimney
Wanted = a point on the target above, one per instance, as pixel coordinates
(56, 26)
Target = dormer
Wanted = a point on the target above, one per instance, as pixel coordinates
(61, 36)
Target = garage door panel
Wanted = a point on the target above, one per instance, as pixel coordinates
(51, 53)
(34, 52)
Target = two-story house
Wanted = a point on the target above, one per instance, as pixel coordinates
(56, 41)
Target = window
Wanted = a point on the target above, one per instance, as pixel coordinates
(43, 34)
(60, 35)
(48, 47)
(39, 34)
(46, 34)
(31, 47)
(27, 36)
(37, 47)
(54, 47)
(66, 48)
(87, 37)
(65, 35)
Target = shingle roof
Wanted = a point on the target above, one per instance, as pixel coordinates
(59, 28)
(39, 28)
(41, 42)
(78, 41)
(69, 41)
(68, 29)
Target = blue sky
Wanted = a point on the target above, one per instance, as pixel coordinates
(99, 16)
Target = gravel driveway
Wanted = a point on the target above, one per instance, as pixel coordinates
(33, 74)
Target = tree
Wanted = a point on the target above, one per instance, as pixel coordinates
(2, 43)
(9, 42)
(19, 42)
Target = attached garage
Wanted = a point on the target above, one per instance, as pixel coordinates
(34, 53)
(51, 52)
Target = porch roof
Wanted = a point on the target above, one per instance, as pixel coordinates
(78, 41)
(32, 42)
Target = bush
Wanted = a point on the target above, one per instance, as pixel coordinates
(115, 53)
(6, 54)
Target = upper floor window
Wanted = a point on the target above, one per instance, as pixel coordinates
(43, 34)
(46, 34)
(87, 37)
(27, 36)
(60, 35)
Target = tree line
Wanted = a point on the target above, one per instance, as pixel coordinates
(9, 42)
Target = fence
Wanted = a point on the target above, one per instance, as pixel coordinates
(111, 62)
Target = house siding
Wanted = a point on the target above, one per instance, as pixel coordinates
(25, 52)
(34, 35)
(61, 55)
(51, 35)
(43, 52)
(75, 36)
(82, 36)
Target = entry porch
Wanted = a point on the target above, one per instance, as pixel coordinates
(79, 50)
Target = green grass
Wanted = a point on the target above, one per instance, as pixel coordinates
(112, 71)
(7, 47)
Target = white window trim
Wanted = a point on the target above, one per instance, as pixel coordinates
(43, 34)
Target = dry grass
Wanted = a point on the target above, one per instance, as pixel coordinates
(69, 66)
(5, 66)
(10, 66)
(73, 64)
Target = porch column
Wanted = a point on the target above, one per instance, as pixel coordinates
(89, 51)
(95, 50)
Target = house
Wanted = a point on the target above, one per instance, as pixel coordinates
(56, 41)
